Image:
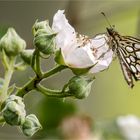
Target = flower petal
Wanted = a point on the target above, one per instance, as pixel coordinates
(103, 63)
(81, 58)
(99, 43)
(85, 55)
(66, 37)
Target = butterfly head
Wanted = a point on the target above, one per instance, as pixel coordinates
(111, 31)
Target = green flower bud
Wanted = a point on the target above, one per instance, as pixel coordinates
(31, 125)
(44, 37)
(12, 43)
(80, 86)
(45, 43)
(26, 55)
(42, 26)
(14, 110)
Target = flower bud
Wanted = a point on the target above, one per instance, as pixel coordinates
(12, 43)
(44, 37)
(31, 125)
(80, 86)
(45, 43)
(42, 26)
(26, 55)
(14, 110)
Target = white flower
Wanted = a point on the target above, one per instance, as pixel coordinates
(79, 51)
(129, 126)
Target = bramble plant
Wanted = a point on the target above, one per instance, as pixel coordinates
(83, 55)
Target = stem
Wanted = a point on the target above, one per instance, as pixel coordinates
(4, 60)
(52, 93)
(36, 63)
(33, 82)
(2, 120)
(7, 78)
(38, 66)
(33, 60)
(53, 71)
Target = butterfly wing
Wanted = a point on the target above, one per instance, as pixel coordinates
(126, 73)
(127, 49)
(128, 52)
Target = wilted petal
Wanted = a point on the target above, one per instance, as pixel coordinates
(66, 37)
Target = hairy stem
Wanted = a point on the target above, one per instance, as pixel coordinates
(52, 93)
(8, 75)
(1, 120)
(38, 65)
(31, 85)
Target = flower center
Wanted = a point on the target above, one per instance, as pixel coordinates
(82, 40)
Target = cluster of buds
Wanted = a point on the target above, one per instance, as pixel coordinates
(80, 53)
(14, 113)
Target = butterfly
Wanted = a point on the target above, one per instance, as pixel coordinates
(127, 49)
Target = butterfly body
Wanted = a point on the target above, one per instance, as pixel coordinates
(127, 49)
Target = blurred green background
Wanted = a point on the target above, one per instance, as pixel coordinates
(110, 95)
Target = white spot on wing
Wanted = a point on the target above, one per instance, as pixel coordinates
(128, 60)
(137, 46)
(132, 58)
(129, 49)
(133, 68)
(138, 54)
(138, 67)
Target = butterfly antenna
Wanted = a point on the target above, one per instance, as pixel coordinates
(106, 19)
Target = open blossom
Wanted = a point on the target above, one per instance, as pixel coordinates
(79, 51)
(129, 126)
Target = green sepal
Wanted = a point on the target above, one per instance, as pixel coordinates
(20, 66)
(42, 26)
(5, 59)
(31, 125)
(13, 110)
(59, 58)
(27, 55)
(11, 89)
(80, 71)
